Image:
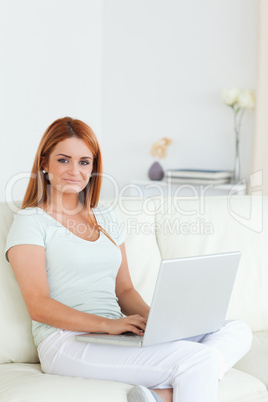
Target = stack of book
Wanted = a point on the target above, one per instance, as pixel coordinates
(192, 176)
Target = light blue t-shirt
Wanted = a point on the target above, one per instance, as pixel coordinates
(81, 273)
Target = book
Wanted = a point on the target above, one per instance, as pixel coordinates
(193, 181)
(199, 174)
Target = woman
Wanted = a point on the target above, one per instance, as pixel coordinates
(69, 259)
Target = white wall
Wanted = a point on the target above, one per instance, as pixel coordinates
(134, 70)
(165, 65)
(51, 67)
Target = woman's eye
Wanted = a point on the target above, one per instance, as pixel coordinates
(85, 163)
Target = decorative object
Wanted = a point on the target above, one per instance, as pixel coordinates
(156, 171)
(158, 150)
(238, 101)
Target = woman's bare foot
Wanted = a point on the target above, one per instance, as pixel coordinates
(165, 394)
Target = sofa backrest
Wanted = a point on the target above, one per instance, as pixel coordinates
(196, 226)
(16, 343)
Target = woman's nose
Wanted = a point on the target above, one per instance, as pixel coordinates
(73, 168)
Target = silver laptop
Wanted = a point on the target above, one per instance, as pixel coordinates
(190, 299)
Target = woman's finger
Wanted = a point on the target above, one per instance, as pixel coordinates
(138, 323)
(139, 318)
(135, 330)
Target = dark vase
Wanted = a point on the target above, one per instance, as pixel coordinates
(156, 171)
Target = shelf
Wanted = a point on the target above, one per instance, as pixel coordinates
(152, 188)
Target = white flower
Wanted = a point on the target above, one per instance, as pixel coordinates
(246, 99)
(230, 96)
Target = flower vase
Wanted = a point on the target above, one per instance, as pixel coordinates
(156, 171)
(236, 175)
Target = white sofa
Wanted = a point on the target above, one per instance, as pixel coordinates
(154, 228)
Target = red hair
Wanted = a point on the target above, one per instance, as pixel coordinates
(37, 191)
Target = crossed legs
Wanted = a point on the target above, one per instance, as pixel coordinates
(192, 369)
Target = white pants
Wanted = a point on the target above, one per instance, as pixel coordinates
(192, 369)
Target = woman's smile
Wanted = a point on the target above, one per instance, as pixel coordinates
(71, 181)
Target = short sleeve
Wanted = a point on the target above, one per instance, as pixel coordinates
(24, 230)
(108, 220)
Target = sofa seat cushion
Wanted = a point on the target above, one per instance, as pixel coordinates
(255, 362)
(237, 386)
(25, 382)
(22, 382)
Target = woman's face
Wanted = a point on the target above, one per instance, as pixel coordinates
(69, 166)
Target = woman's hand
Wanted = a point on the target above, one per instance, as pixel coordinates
(133, 323)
